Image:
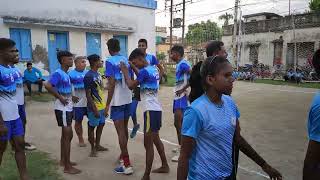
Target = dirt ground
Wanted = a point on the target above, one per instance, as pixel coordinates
(273, 120)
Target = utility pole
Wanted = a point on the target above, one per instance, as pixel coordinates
(239, 39)
(289, 7)
(295, 43)
(171, 19)
(183, 20)
(234, 36)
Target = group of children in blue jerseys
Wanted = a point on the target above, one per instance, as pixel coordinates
(208, 130)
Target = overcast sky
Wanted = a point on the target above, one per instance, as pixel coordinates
(202, 10)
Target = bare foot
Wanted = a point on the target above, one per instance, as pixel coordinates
(145, 177)
(72, 170)
(93, 153)
(72, 163)
(82, 144)
(163, 169)
(101, 148)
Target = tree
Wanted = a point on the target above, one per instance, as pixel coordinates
(226, 17)
(203, 32)
(314, 5)
(161, 56)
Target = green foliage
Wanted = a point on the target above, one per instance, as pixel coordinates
(314, 5)
(203, 32)
(161, 56)
(226, 17)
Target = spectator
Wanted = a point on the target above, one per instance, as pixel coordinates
(298, 76)
(32, 76)
(289, 76)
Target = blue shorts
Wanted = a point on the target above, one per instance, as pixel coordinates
(79, 113)
(152, 121)
(15, 128)
(120, 112)
(93, 121)
(181, 103)
(133, 107)
(22, 113)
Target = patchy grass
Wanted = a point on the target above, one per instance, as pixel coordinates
(43, 97)
(277, 82)
(40, 167)
(170, 79)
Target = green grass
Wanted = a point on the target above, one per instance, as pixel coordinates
(276, 82)
(170, 79)
(44, 97)
(40, 167)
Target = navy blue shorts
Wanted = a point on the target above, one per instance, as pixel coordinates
(152, 121)
(15, 129)
(181, 103)
(79, 113)
(93, 121)
(22, 113)
(120, 112)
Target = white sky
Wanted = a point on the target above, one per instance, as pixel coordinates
(198, 11)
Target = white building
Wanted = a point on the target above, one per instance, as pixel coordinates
(269, 38)
(41, 27)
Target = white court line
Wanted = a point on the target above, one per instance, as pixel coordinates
(174, 144)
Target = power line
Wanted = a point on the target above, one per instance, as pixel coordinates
(190, 2)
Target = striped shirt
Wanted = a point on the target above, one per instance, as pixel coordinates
(213, 128)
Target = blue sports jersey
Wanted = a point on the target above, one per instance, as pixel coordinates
(148, 78)
(213, 128)
(17, 76)
(152, 60)
(113, 67)
(8, 102)
(61, 81)
(76, 78)
(314, 119)
(182, 68)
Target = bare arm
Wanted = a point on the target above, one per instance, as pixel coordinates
(52, 91)
(247, 149)
(130, 82)
(111, 86)
(187, 144)
(312, 161)
(91, 104)
(161, 70)
(134, 68)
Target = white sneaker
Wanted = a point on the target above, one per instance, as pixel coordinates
(124, 170)
(176, 150)
(175, 158)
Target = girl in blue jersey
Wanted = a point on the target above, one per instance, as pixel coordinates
(210, 126)
(147, 78)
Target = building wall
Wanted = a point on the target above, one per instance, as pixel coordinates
(266, 49)
(142, 20)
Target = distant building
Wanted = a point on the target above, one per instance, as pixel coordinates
(43, 27)
(161, 35)
(269, 38)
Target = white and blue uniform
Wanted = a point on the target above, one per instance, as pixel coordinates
(19, 93)
(60, 80)
(122, 96)
(148, 79)
(8, 104)
(79, 108)
(213, 128)
(151, 59)
(182, 77)
(314, 119)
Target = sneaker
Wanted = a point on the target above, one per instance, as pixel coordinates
(28, 146)
(124, 170)
(176, 150)
(134, 131)
(175, 158)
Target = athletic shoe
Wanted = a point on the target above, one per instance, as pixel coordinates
(28, 146)
(176, 157)
(176, 150)
(134, 131)
(124, 170)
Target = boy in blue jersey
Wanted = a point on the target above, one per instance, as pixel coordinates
(59, 85)
(311, 169)
(20, 101)
(180, 103)
(119, 98)
(147, 78)
(96, 104)
(11, 126)
(79, 108)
